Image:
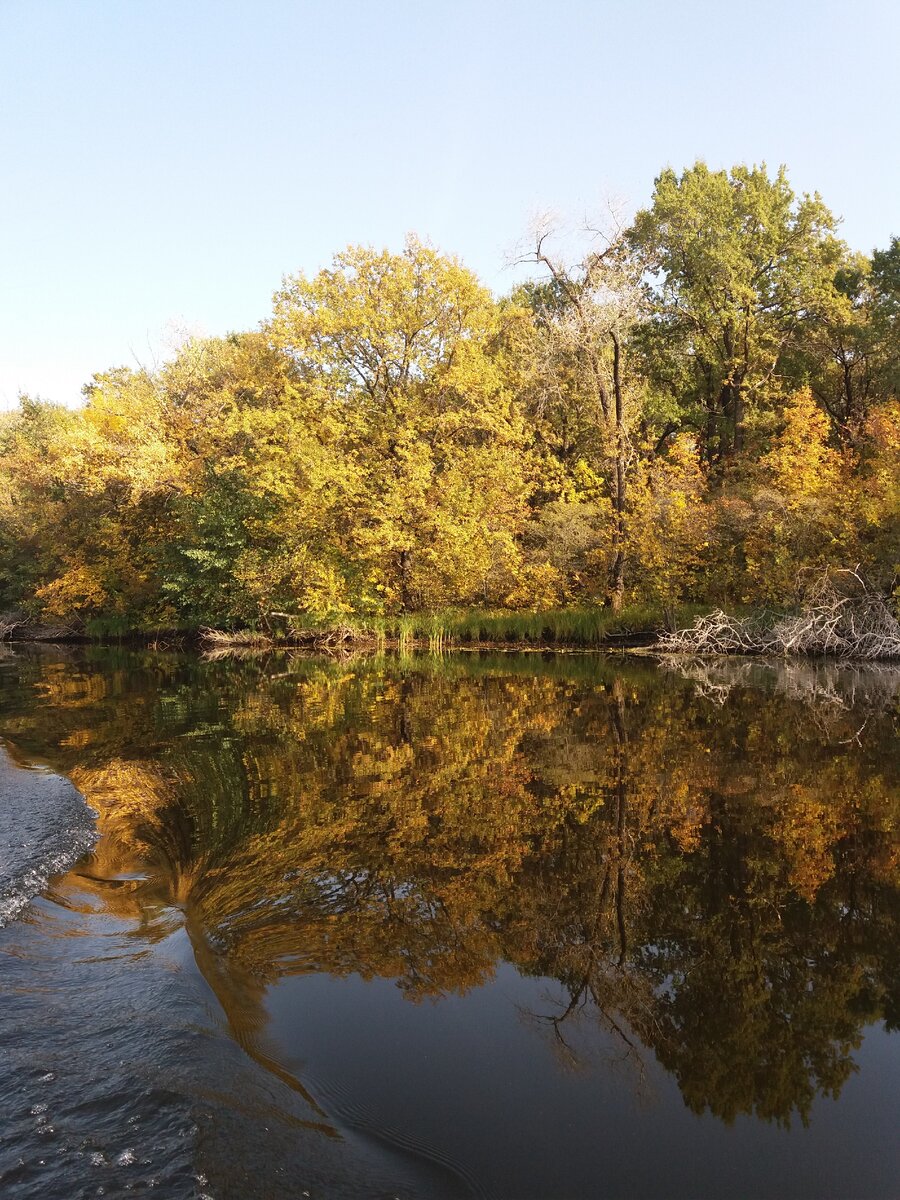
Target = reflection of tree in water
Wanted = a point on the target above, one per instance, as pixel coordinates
(715, 883)
(761, 992)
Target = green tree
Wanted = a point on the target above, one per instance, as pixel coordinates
(736, 264)
(849, 350)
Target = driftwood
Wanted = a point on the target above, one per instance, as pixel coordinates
(337, 638)
(16, 627)
(326, 639)
(719, 633)
(237, 637)
(841, 617)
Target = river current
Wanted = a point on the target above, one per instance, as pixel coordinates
(486, 925)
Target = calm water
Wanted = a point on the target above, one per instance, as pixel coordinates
(502, 926)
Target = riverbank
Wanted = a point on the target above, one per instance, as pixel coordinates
(589, 628)
(593, 627)
(840, 617)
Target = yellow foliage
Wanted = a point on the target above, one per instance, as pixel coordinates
(80, 589)
(670, 524)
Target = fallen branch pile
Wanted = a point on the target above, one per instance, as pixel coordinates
(237, 637)
(336, 639)
(16, 627)
(718, 633)
(841, 617)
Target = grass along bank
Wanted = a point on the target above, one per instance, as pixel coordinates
(586, 628)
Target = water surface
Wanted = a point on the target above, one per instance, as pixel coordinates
(504, 926)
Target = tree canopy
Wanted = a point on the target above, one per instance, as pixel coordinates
(696, 407)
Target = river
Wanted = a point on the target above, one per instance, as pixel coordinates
(493, 925)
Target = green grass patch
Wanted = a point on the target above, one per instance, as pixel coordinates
(586, 626)
(590, 626)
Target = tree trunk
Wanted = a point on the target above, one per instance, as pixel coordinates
(405, 566)
(738, 411)
(617, 575)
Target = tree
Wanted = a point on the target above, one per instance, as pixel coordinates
(849, 350)
(878, 490)
(886, 315)
(735, 265)
(792, 515)
(585, 319)
(93, 486)
(406, 347)
(671, 524)
(269, 482)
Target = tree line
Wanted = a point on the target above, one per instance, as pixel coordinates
(699, 405)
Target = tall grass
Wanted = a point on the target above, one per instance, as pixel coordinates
(565, 626)
(454, 628)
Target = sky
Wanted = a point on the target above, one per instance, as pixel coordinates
(167, 162)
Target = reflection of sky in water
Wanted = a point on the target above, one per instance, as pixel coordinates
(541, 926)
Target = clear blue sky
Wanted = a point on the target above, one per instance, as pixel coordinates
(170, 160)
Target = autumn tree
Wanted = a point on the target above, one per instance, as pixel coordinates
(93, 486)
(672, 525)
(406, 348)
(267, 481)
(792, 516)
(877, 488)
(29, 499)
